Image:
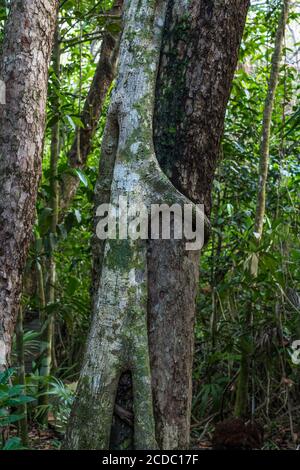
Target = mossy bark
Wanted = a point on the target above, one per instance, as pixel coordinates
(188, 147)
(118, 339)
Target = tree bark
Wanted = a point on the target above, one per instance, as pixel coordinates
(24, 70)
(199, 58)
(120, 317)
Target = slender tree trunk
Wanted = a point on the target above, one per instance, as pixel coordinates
(48, 325)
(23, 425)
(41, 290)
(119, 317)
(92, 110)
(24, 70)
(45, 340)
(241, 403)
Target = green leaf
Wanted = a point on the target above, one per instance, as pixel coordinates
(72, 285)
(14, 443)
(6, 375)
(10, 419)
(82, 177)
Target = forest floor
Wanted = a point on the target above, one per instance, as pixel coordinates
(41, 439)
(276, 437)
(277, 441)
(44, 439)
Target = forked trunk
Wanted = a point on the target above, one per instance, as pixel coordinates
(199, 56)
(118, 340)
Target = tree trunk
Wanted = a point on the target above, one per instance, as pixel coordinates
(199, 58)
(267, 120)
(47, 327)
(24, 70)
(92, 110)
(128, 166)
(120, 319)
(23, 423)
(241, 403)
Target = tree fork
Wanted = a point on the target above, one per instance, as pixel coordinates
(120, 317)
(197, 155)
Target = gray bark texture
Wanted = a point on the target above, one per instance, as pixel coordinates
(24, 70)
(118, 338)
(144, 306)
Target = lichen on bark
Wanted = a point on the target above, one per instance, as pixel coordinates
(128, 160)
